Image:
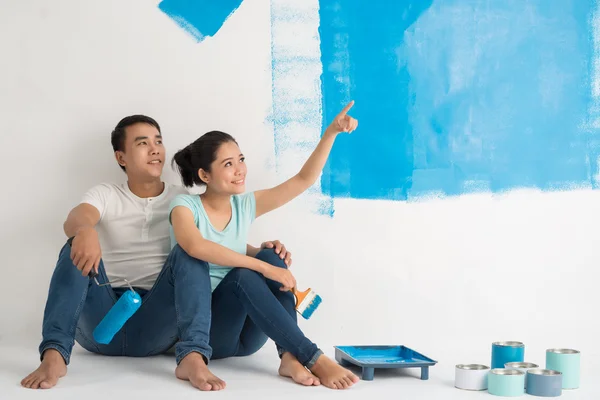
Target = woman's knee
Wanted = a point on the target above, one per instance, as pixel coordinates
(244, 276)
(271, 257)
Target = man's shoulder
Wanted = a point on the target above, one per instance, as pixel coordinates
(176, 190)
(104, 190)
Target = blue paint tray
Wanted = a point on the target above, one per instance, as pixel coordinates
(371, 357)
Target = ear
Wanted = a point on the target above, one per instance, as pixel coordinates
(120, 157)
(203, 175)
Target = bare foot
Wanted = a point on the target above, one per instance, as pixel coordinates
(50, 370)
(193, 368)
(291, 368)
(333, 375)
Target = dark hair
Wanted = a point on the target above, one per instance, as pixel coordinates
(200, 154)
(117, 137)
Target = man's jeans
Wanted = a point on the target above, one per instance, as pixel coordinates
(174, 311)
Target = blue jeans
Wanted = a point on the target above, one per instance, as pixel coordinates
(247, 308)
(174, 311)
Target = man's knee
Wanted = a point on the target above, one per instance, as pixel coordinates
(178, 257)
(269, 256)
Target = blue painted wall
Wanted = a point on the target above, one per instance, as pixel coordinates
(453, 96)
(200, 18)
(458, 96)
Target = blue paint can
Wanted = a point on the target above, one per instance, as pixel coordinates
(507, 352)
(506, 382)
(544, 382)
(566, 361)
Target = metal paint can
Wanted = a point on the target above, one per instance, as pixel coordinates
(566, 361)
(471, 376)
(521, 366)
(506, 382)
(544, 382)
(506, 352)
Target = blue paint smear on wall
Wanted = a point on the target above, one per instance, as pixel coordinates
(200, 18)
(456, 97)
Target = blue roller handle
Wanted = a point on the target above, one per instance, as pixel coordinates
(116, 317)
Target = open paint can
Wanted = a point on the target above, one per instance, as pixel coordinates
(471, 376)
(544, 383)
(566, 361)
(521, 366)
(506, 382)
(507, 352)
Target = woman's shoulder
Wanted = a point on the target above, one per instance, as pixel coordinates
(185, 199)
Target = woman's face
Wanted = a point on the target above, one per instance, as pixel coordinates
(228, 171)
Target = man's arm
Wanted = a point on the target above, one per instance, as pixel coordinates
(85, 249)
(81, 217)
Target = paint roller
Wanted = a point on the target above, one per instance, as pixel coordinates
(119, 313)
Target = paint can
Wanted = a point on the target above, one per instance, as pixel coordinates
(506, 382)
(566, 361)
(544, 382)
(521, 366)
(471, 376)
(506, 352)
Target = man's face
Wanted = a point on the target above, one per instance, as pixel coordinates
(144, 154)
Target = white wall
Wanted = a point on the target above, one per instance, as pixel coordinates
(445, 277)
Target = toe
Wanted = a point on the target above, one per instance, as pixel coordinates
(342, 383)
(46, 384)
(316, 381)
(348, 381)
(35, 383)
(307, 381)
(216, 385)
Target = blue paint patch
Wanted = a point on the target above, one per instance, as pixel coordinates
(456, 97)
(200, 18)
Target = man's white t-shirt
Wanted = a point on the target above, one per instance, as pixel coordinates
(133, 232)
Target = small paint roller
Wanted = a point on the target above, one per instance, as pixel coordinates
(306, 302)
(118, 315)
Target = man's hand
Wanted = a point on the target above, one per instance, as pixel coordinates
(280, 249)
(85, 250)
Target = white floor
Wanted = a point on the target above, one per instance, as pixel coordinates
(91, 376)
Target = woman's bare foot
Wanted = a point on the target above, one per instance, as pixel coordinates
(193, 368)
(333, 375)
(291, 368)
(50, 370)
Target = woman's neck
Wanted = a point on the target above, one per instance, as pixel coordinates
(217, 202)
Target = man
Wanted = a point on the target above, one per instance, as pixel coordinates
(122, 233)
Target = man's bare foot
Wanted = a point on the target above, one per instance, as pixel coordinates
(50, 370)
(291, 368)
(333, 375)
(193, 368)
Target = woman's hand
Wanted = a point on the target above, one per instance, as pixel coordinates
(281, 275)
(343, 122)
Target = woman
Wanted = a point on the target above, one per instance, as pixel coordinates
(251, 298)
